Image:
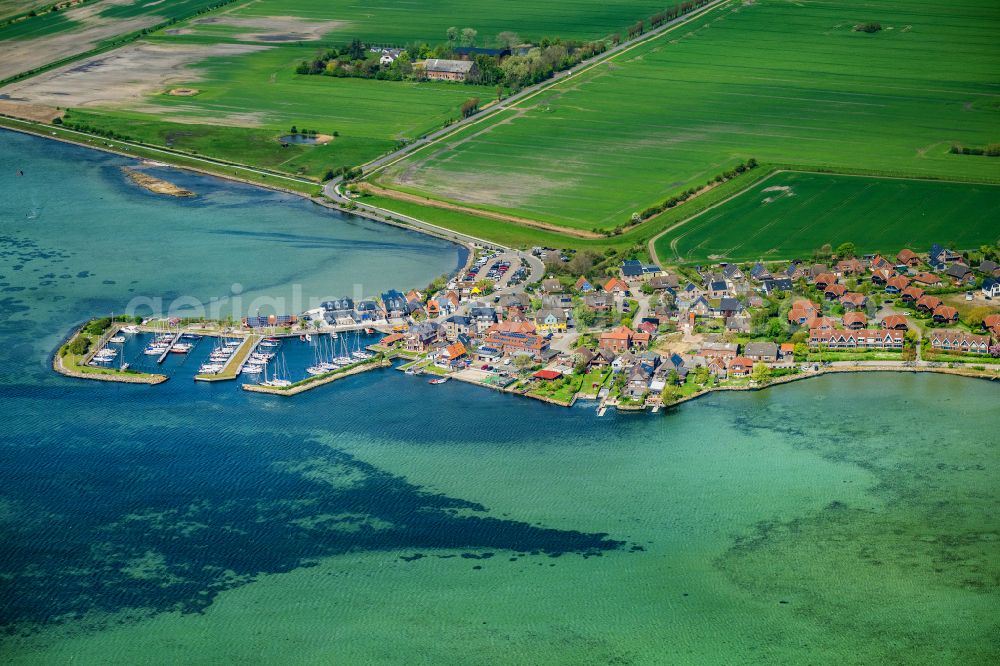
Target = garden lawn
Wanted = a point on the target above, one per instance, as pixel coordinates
(791, 214)
(785, 83)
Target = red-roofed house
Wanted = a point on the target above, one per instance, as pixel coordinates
(547, 375)
(896, 284)
(451, 356)
(927, 279)
(834, 291)
(853, 300)
(908, 257)
(895, 322)
(821, 323)
(526, 327)
(855, 321)
(741, 366)
(615, 286)
(618, 340)
(928, 303)
(882, 276)
(945, 313)
(912, 294)
(391, 339)
(802, 311)
(823, 280)
(879, 262)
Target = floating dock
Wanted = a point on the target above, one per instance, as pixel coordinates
(163, 356)
(235, 363)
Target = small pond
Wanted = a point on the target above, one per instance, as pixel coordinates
(300, 138)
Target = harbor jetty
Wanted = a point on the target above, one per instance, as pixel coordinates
(319, 380)
(73, 358)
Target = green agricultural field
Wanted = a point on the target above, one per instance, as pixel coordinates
(791, 214)
(246, 102)
(409, 21)
(783, 82)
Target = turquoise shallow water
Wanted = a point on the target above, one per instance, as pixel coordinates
(382, 520)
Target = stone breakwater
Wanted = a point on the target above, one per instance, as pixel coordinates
(120, 377)
(305, 385)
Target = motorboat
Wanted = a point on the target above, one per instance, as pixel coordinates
(118, 339)
(181, 348)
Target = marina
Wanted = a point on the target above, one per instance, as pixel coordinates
(271, 362)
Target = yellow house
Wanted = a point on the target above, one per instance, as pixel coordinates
(550, 321)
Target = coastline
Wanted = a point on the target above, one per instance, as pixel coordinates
(319, 200)
(788, 379)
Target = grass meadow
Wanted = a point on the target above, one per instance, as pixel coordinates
(791, 214)
(408, 21)
(246, 102)
(785, 83)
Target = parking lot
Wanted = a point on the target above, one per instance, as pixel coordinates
(503, 269)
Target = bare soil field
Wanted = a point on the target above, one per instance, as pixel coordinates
(121, 78)
(270, 28)
(34, 112)
(21, 55)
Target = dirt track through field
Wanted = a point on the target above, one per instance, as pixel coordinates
(522, 221)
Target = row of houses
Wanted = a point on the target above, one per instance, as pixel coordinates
(887, 339)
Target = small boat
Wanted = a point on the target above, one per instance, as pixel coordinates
(154, 351)
(410, 371)
(277, 383)
(439, 380)
(267, 344)
(191, 336)
(308, 338)
(232, 343)
(302, 338)
(316, 370)
(210, 368)
(118, 339)
(370, 331)
(181, 348)
(130, 329)
(333, 334)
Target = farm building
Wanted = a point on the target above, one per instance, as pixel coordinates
(450, 70)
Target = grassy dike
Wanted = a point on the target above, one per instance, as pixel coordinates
(230, 171)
